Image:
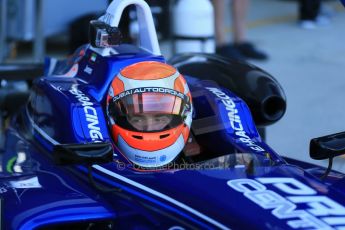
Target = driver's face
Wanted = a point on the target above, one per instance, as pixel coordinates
(149, 122)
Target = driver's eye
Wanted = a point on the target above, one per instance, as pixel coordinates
(159, 118)
(137, 119)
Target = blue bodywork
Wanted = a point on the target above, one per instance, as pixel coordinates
(214, 190)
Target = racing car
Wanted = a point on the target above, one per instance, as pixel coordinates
(65, 166)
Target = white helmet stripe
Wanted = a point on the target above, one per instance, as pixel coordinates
(186, 89)
(111, 92)
(167, 82)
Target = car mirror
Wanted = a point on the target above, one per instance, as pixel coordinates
(327, 146)
(92, 153)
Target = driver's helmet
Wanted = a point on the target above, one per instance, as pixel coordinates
(150, 112)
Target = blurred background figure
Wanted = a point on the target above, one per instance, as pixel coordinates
(240, 48)
(310, 14)
(192, 26)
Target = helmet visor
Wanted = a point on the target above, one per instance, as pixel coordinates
(149, 111)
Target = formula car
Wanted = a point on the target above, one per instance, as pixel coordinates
(61, 168)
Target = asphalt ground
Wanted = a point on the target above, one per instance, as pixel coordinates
(310, 65)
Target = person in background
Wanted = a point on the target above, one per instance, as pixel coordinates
(240, 48)
(310, 14)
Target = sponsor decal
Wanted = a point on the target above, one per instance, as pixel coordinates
(93, 57)
(10, 163)
(235, 120)
(90, 113)
(28, 183)
(163, 158)
(320, 212)
(150, 90)
(144, 159)
(88, 70)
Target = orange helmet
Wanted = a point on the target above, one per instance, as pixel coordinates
(150, 111)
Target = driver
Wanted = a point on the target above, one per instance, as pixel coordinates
(150, 112)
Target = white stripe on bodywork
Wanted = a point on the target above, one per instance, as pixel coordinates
(160, 195)
(40, 131)
(334, 220)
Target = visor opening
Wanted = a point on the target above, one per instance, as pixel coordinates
(137, 137)
(164, 136)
